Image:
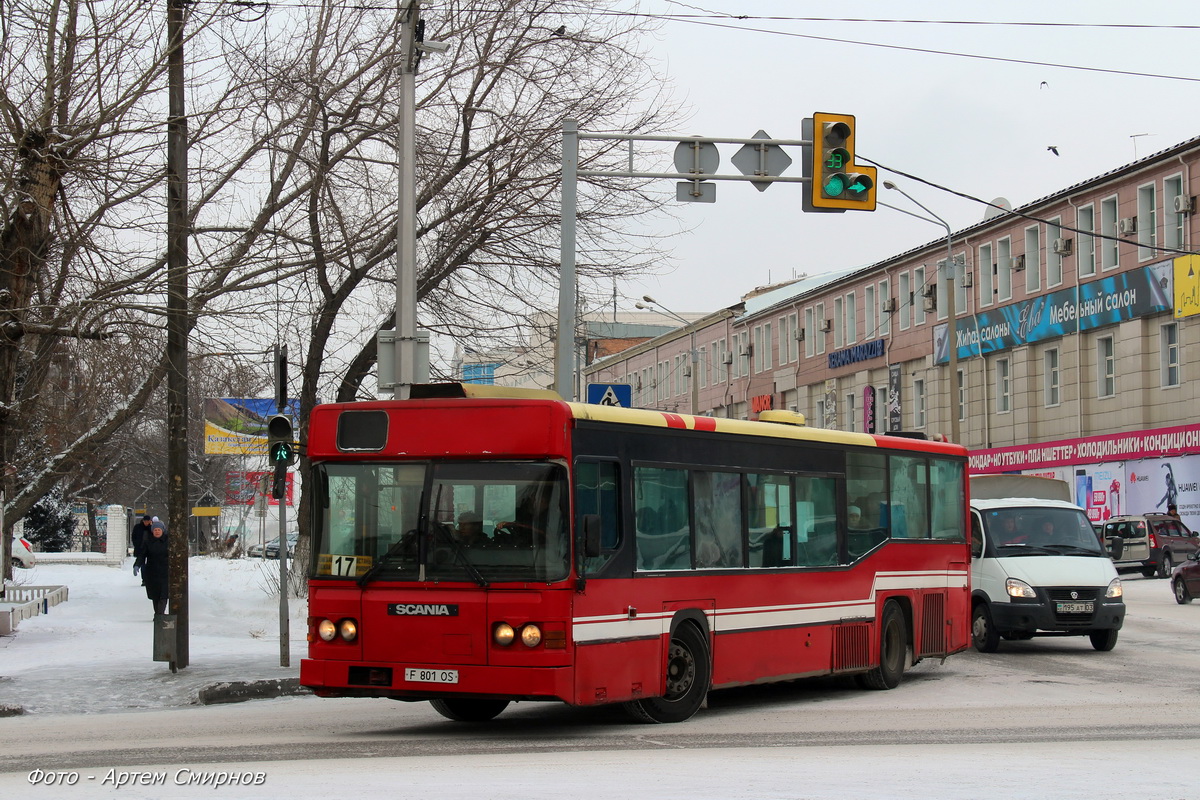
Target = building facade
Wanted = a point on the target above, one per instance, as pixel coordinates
(1074, 317)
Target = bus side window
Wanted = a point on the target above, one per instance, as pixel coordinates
(597, 491)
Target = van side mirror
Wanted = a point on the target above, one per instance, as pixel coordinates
(591, 535)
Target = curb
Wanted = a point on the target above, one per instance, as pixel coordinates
(240, 691)
(11, 711)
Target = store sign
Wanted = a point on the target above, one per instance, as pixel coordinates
(859, 352)
(1155, 443)
(762, 402)
(1125, 296)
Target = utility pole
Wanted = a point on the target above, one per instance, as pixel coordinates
(406, 225)
(177, 331)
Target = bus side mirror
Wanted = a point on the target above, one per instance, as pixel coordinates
(591, 535)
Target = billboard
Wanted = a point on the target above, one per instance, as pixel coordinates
(238, 426)
(242, 487)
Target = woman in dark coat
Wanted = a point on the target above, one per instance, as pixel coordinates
(153, 564)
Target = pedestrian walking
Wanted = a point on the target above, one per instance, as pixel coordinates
(137, 535)
(154, 566)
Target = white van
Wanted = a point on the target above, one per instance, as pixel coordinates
(1037, 566)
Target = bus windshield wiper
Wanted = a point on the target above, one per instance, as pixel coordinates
(460, 556)
(1028, 549)
(393, 551)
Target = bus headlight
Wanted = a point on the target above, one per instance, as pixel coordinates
(1018, 588)
(326, 630)
(349, 629)
(1115, 589)
(504, 634)
(531, 635)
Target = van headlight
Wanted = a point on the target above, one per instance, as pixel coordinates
(1019, 588)
(1115, 589)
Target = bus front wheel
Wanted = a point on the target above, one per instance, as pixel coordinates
(893, 650)
(468, 710)
(688, 676)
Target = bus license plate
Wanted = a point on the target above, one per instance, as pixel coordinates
(431, 675)
(1076, 608)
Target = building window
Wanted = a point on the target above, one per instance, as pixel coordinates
(962, 395)
(1003, 386)
(918, 309)
(849, 424)
(1106, 368)
(758, 348)
(906, 302)
(919, 403)
(720, 365)
(788, 346)
(1054, 261)
(1147, 222)
(869, 331)
(810, 333)
(821, 325)
(1169, 337)
(479, 373)
(767, 343)
(1174, 220)
(1004, 269)
(703, 366)
(1051, 378)
(987, 275)
(1086, 222)
(1033, 260)
(839, 324)
(820, 417)
(960, 289)
(850, 318)
(885, 316)
(745, 351)
(1109, 255)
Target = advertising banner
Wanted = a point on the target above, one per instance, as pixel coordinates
(1187, 286)
(893, 398)
(241, 488)
(1120, 297)
(238, 426)
(1156, 483)
(1154, 443)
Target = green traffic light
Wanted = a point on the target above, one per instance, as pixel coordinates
(835, 186)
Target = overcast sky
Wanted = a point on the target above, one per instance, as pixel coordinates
(981, 127)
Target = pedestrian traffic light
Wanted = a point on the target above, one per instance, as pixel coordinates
(281, 450)
(837, 183)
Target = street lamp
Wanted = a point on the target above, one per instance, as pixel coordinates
(650, 304)
(951, 311)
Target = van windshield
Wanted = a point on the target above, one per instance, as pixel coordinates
(1041, 531)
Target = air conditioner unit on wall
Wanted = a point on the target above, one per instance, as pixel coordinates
(1018, 263)
(968, 280)
(930, 290)
(1127, 226)
(728, 359)
(746, 350)
(1185, 204)
(929, 304)
(826, 325)
(889, 304)
(800, 334)
(1062, 247)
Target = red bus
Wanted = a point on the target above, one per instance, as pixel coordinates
(472, 550)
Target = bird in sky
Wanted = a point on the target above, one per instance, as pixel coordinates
(561, 30)
(1053, 149)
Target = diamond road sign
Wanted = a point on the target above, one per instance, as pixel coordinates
(610, 394)
(761, 159)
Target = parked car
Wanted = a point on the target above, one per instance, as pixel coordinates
(22, 553)
(271, 549)
(1151, 543)
(1185, 580)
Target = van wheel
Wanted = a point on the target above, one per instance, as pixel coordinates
(1104, 640)
(1181, 593)
(984, 635)
(467, 710)
(1165, 565)
(893, 650)
(688, 675)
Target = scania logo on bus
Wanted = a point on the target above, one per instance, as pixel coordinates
(422, 610)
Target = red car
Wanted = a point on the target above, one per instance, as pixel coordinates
(1185, 579)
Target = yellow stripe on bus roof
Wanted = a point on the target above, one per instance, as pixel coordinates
(663, 419)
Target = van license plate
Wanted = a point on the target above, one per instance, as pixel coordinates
(1076, 608)
(431, 675)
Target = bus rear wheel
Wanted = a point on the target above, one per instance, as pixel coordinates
(688, 676)
(468, 710)
(893, 650)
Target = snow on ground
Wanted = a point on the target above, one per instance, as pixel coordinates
(94, 653)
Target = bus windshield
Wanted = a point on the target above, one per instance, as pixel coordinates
(442, 521)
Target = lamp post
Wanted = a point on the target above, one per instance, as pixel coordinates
(951, 311)
(651, 304)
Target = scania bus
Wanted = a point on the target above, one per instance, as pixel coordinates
(474, 546)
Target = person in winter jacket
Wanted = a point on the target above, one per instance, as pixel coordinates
(139, 534)
(153, 563)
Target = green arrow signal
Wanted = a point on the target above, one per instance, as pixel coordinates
(857, 187)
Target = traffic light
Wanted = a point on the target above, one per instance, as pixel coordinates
(837, 183)
(281, 450)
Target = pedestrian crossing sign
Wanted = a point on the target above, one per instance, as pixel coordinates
(610, 394)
